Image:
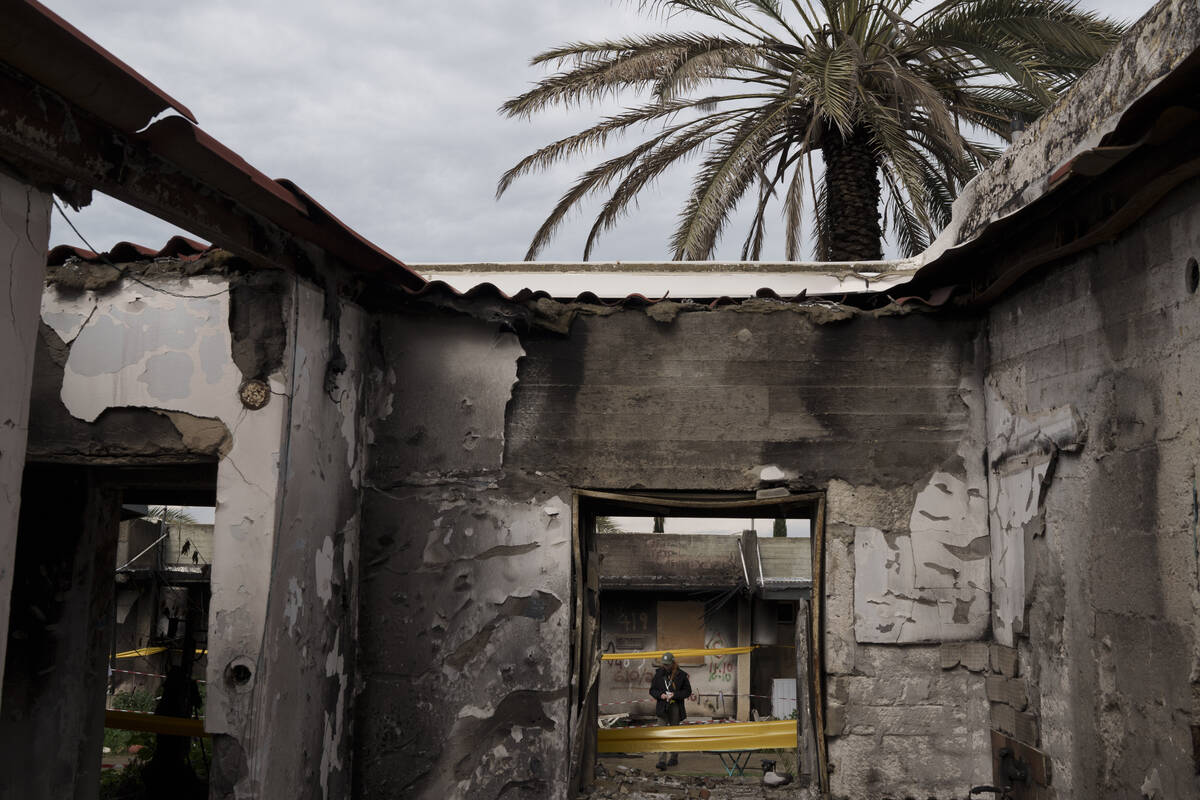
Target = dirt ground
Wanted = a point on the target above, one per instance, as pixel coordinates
(692, 764)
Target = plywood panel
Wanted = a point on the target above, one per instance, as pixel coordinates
(680, 625)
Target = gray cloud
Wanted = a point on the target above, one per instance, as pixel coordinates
(385, 112)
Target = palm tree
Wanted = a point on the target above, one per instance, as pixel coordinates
(881, 93)
(171, 515)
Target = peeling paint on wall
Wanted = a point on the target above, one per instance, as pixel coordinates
(466, 580)
(1023, 450)
(931, 584)
(169, 348)
(461, 363)
(303, 708)
(930, 580)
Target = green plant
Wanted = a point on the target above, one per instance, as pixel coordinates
(879, 92)
(119, 741)
(129, 782)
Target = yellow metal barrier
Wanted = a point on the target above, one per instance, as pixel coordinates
(149, 651)
(687, 652)
(153, 723)
(766, 735)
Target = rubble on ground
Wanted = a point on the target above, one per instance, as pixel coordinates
(628, 783)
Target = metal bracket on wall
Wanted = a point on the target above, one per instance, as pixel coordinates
(1021, 767)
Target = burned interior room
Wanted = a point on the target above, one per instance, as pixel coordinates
(928, 523)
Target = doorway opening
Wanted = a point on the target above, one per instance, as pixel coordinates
(697, 574)
(108, 630)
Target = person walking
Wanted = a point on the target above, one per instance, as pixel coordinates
(670, 687)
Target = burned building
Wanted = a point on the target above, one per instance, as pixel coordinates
(994, 443)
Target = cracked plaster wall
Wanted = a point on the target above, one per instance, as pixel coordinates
(24, 239)
(168, 347)
(298, 715)
(1096, 569)
(286, 533)
(884, 412)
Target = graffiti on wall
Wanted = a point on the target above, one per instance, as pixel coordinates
(721, 669)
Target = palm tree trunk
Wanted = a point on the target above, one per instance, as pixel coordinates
(852, 194)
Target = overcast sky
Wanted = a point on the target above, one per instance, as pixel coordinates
(385, 112)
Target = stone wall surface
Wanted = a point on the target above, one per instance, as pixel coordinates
(466, 539)
(1093, 439)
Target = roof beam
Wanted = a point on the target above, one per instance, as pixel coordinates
(180, 174)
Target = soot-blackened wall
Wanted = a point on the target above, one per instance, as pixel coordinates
(1095, 565)
(466, 599)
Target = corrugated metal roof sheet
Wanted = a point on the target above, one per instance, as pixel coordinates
(179, 247)
(677, 280)
(227, 199)
(47, 48)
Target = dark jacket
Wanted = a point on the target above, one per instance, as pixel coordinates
(680, 685)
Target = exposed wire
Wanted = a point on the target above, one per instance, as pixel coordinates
(126, 273)
(147, 550)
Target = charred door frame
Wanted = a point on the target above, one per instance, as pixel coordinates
(586, 505)
(83, 618)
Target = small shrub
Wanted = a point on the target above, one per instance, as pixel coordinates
(138, 700)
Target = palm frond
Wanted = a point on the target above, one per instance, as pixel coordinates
(650, 166)
(721, 181)
(598, 135)
(902, 89)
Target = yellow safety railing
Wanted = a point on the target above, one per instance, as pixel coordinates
(766, 735)
(149, 651)
(153, 723)
(687, 652)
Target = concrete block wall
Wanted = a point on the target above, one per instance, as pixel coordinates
(1098, 592)
(902, 719)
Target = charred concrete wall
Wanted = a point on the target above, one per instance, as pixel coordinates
(62, 605)
(24, 235)
(465, 588)
(467, 567)
(1094, 560)
(181, 361)
(293, 713)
